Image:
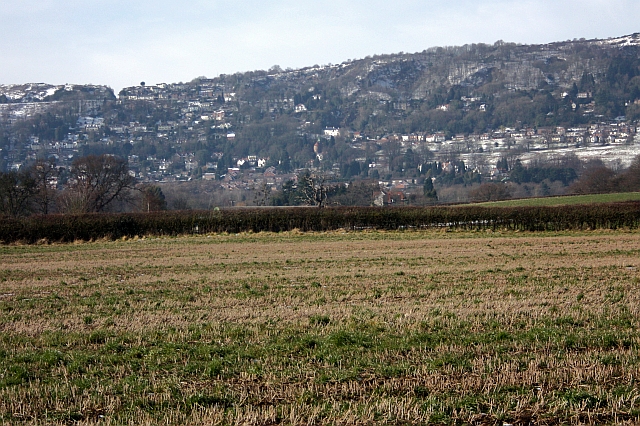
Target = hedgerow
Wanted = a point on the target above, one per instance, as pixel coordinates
(66, 228)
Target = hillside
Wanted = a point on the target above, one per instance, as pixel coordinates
(384, 117)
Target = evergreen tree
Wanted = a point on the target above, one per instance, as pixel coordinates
(428, 190)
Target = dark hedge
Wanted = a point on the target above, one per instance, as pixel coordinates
(66, 228)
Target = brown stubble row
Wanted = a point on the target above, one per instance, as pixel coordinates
(405, 272)
(396, 283)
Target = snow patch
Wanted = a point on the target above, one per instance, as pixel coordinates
(630, 40)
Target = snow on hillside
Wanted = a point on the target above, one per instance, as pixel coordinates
(28, 92)
(615, 156)
(630, 40)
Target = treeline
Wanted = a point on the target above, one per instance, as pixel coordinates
(94, 183)
(567, 175)
(67, 228)
(454, 173)
(537, 174)
(312, 189)
(599, 179)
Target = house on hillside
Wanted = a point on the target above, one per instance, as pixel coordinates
(332, 132)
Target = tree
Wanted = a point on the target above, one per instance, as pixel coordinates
(152, 199)
(16, 190)
(180, 203)
(96, 182)
(597, 179)
(312, 189)
(490, 192)
(394, 150)
(359, 193)
(502, 165)
(262, 195)
(44, 174)
(630, 178)
(428, 190)
(285, 197)
(351, 169)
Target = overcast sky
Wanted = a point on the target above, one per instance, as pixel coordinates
(123, 42)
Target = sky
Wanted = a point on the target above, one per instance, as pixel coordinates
(120, 43)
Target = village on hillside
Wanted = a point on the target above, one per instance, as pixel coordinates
(475, 109)
(200, 113)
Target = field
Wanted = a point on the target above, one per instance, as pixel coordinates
(323, 328)
(566, 200)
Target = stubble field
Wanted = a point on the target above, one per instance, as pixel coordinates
(335, 328)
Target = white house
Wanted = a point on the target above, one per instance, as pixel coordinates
(331, 131)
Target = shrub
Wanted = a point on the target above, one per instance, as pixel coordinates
(68, 228)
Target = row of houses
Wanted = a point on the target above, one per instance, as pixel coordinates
(594, 133)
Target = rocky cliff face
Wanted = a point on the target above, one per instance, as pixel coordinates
(416, 76)
(410, 76)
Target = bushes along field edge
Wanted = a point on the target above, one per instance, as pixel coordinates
(86, 227)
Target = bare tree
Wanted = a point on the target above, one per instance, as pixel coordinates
(596, 179)
(16, 190)
(43, 173)
(262, 194)
(312, 189)
(490, 192)
(97, 181)
(630, 178)
(394, 150)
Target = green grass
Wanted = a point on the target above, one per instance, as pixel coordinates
(565, 200)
